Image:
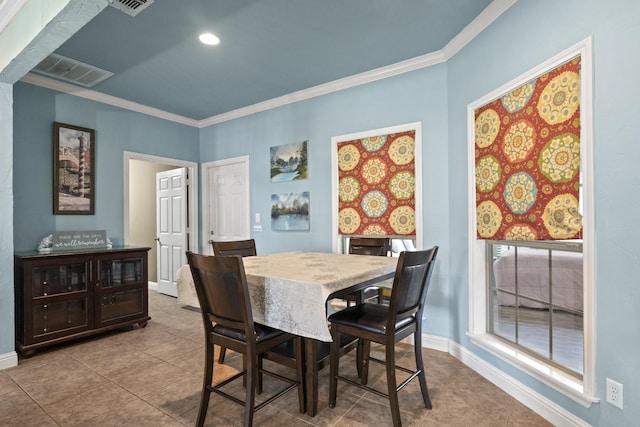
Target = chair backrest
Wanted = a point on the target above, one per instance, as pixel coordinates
(379, 246)
(411, 283)
(222, 290)
(236, 247)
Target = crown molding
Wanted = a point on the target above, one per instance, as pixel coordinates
(70, 89)
(475, 27)
(9, 9)
(482, 21)
(398, 68)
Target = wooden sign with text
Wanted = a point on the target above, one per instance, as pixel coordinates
(76, 240)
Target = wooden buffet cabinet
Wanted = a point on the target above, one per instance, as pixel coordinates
(67, 295)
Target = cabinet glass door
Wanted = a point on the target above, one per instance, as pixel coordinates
(59, 279)
(122, 289)
(120, 272)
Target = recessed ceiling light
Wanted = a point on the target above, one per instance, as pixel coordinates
(208, 38)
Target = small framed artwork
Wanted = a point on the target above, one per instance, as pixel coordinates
(289, 162)
(290, 211)
(73, 170)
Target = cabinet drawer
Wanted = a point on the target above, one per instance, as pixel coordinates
(114, 305)
(51, 318)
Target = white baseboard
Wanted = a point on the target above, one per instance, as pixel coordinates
(8, 360)
(435, 342)
(153, 286)
(533, 400)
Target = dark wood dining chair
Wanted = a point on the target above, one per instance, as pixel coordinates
(376, 246)
(387, 325)
(225, 304)
(234, 247)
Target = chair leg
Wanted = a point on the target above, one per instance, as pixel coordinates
(223, 352)
(244, 368)
(359, 357)
(417, 339)
(392, 384)
(207, 380)
(259, 375)
(333, 366)
(365, 349)
(250, 391)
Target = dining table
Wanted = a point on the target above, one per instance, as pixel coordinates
(289, 291)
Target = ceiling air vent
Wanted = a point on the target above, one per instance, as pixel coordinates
(131, 7)
(70, 70)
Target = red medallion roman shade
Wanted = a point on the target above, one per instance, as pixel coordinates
(527, 160)
(376, 185)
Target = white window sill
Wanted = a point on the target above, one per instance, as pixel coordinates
(551, 376)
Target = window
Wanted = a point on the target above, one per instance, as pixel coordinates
(506, 231)
(535, 300)
(377, 185)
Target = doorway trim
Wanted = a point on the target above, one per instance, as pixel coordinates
(192, 192)
(206, 248)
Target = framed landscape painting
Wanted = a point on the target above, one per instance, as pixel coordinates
(289, 162)
(73, 170)
(290, 211)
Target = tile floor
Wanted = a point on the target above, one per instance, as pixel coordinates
(152, 377)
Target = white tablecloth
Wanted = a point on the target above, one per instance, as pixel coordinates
(289, 290)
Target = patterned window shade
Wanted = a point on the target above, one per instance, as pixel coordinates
(527, 157)
(376, 185)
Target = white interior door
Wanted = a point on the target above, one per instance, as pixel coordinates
(171, 223)
(227, 208)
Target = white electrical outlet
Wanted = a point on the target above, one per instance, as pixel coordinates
(614, 393)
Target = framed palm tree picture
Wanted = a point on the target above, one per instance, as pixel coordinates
(73, 170)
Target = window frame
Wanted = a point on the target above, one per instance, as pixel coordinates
(583, 392)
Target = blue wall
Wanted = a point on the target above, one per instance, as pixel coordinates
(529, 33)
(117, 130)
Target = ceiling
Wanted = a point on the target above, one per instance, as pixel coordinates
(268, 48)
